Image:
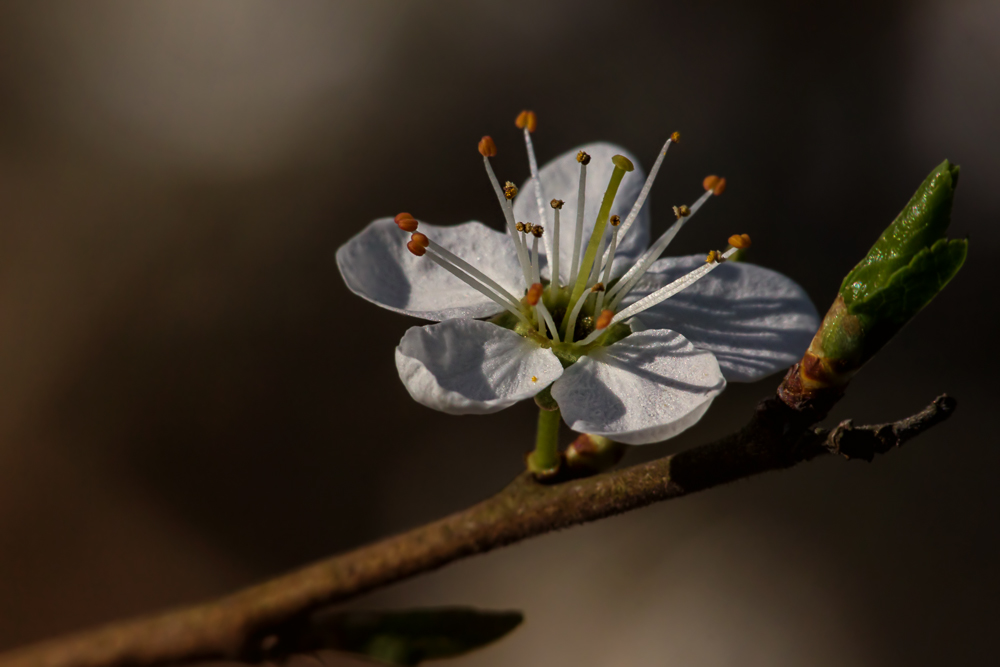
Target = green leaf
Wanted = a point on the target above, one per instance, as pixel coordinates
(919, 225)
(912, 287)
(409, 637)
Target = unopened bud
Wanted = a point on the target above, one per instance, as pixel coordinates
(526, 119)
(406, 222)
(486, 147)
(591, 454)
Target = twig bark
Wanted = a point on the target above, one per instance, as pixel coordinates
(240, 625)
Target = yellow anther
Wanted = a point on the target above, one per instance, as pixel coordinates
(741, 241)
(509, 190)
(537, 231)
(615, 221)
(534, 378)
(604, 319)
(526, 119)
(486, 147)
(675, 137)
(715, 256)
(682, 211)
(519, 226)
(556, 203)
(583, 158)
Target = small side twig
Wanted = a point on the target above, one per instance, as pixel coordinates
(864, 442)
(242, 624)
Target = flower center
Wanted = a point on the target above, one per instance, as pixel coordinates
(585, 312)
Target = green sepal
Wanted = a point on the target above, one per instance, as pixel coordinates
(409, 637)
(919, 225)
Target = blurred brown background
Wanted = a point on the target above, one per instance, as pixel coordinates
(190, 400)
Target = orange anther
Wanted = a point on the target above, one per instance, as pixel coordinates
(710, 182)
(406, 222)
(526, 119)
(415, 248)
(420, 239)
(740, 241)
(604, 319)
(714, 256)
(675, 137)
(486, 147)
(534, 294)
(720, 187)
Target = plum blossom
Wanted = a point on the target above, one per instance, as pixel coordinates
(584, 315)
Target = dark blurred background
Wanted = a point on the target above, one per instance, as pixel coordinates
(191, 400)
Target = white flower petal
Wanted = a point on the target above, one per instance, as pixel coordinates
(472, 367)
(376, 266)
(560, 180)
(754, 320)
(647, 387)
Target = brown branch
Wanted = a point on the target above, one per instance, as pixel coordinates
(238, 626)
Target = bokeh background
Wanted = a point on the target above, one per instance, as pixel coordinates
(191, 400)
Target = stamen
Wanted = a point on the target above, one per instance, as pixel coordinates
(527, 121)
(535, 231)
(547, 318)
(581, 192)
(648, 185)
(471, 282)
(415, 248)
(600, 327)
(487, 148)
(673, 288)
(632, 276)
(473, 271)
(740, 241)
(557, 205)
(714, 184)
(534, 294)
(406, 222)
(570, 322)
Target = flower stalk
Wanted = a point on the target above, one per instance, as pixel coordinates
(544, 460)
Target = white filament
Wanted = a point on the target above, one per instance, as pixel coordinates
(639, 269)
(473, 283)
(669, 290)
(578, 234)
(508, 214)
(539, 195)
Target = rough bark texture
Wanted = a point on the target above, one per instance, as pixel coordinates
(240, 625)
